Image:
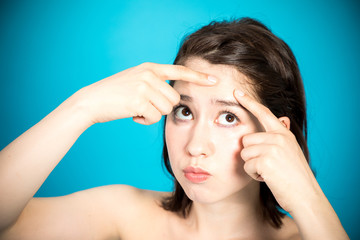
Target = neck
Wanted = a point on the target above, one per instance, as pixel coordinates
(239, 215)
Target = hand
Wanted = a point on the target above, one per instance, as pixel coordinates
(274, 156)
(140, 92)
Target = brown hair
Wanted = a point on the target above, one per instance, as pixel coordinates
(271, 66)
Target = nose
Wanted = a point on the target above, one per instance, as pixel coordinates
(200, 142)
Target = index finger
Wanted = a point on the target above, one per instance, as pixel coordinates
(263, 114)
(179, 72)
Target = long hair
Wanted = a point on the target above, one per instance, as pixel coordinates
(274, 76)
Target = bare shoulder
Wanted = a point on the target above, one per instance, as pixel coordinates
(106, 212)
(126, 199)
(125, 194)
(128, 195)
(133, 209)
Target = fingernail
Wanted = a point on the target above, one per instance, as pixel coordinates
(212, 79)
(239, 93)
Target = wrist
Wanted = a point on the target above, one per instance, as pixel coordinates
(316, 219)
(78, 110)
(308, 200)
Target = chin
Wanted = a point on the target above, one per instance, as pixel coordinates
(208, 193)
(202, 198)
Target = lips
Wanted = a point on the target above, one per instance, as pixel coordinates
(196, 175)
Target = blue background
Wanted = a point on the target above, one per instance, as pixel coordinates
(50, 49)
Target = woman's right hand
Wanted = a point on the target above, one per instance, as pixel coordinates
(140, 92)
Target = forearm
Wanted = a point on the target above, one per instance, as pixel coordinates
(318, 220)
(28, 160)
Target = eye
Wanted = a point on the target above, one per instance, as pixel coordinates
(183, 113)
(228, 119)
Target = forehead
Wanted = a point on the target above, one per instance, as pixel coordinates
(228, 78)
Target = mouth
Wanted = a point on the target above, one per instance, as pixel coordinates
(196, 175)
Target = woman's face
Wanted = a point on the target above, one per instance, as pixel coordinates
(203, 134)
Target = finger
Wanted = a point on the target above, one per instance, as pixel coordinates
(262, 113)
(179, 72)
(251, 169)
(150, 115)
(160, 102)
(259, 138)
(169, 92)
(140, 120)
(251, 152)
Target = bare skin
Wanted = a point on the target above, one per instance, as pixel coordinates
(124, 212)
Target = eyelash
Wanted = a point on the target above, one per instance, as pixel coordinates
(226, 111)
(175, 109)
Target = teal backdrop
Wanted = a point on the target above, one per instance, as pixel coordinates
(50, 49)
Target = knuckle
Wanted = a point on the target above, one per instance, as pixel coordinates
(139, 105)
(155, 118)
(243, 154)
(158, 117)
(278, 138)
(166, 73)
(275, 150)
(266, 163)
(146, 65)
(281, 139)
(247, 167)
(175, 98)
(148, 74)
(168, 109)
(245, 140)
(142, 87)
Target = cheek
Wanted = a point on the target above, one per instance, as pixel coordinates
(174, 140)
(228, 148)
(175, 143)
(230, 175)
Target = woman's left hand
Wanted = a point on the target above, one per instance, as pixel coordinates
(275, 157)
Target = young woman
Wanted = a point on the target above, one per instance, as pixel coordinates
(235, 142)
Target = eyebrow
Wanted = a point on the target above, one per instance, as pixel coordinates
(221, 102)
(185, 98)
